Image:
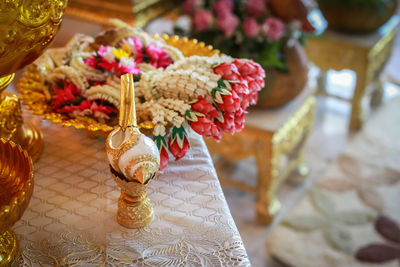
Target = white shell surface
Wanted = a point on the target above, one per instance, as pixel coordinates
(144, 146)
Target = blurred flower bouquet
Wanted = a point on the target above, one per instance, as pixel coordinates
(173, 93)
(257, 29)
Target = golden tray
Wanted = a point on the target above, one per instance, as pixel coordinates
(31, 85)
(16, 187)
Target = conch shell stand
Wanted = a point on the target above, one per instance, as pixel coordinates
(134, 162)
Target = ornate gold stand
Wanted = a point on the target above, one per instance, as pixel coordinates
(12, 126)
(134, 207)
(366, 55)
(268, 148)
(8, 248)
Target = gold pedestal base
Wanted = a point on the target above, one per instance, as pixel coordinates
(134, 211)
(8, 248)
(12, 125)
(134, 207)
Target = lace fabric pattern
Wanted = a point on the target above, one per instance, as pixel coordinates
(71, 219)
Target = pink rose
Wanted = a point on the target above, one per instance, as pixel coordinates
(190, 6)
(228, 23)
(256, 8)
(222, 7)
(250, 27)
(273, 28)
(202, 20)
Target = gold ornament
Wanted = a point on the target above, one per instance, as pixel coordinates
(26, 29)
(16, 187)
(134, 161)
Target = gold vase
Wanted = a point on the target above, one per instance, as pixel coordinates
(16, 187)
(26, 29)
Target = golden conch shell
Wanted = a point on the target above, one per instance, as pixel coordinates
(134, 161)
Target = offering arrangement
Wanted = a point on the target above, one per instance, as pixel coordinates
(79, 86)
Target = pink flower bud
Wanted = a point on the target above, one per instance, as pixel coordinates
(273, 28)
(228, 23)
(256, 8)
(250, 27)
(202, 20)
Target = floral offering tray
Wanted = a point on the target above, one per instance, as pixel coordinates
(180, 84)
(32, 86)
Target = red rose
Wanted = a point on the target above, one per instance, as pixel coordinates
(205, 108)
(253, 98)
(227, 71)
(228, 125)
(206, 127)
(240, 88)
(231, 103)
(177, 151)
(245, 68)
(239, 120)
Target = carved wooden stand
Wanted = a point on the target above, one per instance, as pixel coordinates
(268, 144)
(366, 55)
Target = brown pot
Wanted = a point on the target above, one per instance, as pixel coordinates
(357, 19)
(281, 88)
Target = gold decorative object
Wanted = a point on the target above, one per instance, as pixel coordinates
(268, 147)
(366, 55)
(137, 12)
(16, 187)
(26, 29)
(32, 86)
(134, 161)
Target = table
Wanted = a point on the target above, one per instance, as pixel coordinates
(275, 138)
(71, 218)
(365, 54)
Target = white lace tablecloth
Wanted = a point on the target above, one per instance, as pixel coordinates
(71, 219)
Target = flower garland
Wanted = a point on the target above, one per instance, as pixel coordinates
(210, 95)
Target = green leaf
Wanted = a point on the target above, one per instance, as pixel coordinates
(340, 239)
(322, 201)
(306, 222)
(217, 93)
(224, 84)
(179, 134)
(353, 217)
(160, 142)
(193, 115)
(270, 56)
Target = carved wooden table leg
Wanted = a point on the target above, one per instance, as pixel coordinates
(357, 108)
(377, 94)
(267, 205)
